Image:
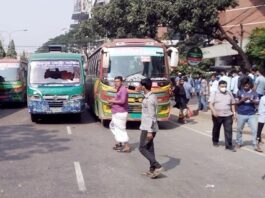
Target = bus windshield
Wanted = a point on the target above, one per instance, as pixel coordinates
(133, 63)
(55, 72)
(9, 72)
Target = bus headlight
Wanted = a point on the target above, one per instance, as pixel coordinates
(77, 97)
(34, 98)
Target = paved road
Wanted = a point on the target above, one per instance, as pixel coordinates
(60, 158)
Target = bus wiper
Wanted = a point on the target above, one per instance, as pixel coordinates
(139, 72)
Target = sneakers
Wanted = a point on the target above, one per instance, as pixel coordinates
(154, 174)
(230, 148)
(215, 144)
(157, 172)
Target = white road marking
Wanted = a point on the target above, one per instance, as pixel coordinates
(69, 131)
(79, 177)
(208, 135)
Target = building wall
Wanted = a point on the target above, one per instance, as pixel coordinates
(249, 13)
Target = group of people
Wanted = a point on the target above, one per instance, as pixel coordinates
(148, 127)
(237, 97)
(240, 99)
(231, 96)
(184, 87)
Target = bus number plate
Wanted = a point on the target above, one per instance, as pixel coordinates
(56, 110)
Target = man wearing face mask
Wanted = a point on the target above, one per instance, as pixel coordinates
(223, 110)
(246, 100)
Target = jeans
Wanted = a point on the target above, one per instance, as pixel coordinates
(241, 120)
(227, 122)
(147, 149)
(260, 127)
(200, 106)
(204, 102)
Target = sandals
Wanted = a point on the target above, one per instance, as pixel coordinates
(117, 147)
(124, 150)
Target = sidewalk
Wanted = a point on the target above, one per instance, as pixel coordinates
(207, 116)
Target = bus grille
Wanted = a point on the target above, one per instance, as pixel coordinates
(135, 108)
(55, 103)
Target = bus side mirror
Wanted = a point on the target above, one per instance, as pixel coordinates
(106, 59)
(173, 57)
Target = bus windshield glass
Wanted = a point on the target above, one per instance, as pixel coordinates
(136, 62)
(9, 72)
(55, 72)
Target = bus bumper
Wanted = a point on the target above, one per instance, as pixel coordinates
(45, 107)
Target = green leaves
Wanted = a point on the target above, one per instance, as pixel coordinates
(2, 51)
(256, 46)
(11, 51)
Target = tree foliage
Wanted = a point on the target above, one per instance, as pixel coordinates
(256, 46)
(11, 51)
(140, 18)
(2, 51)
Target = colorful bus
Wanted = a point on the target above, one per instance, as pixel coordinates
(56, 84)
(13, 79)
(133, 59)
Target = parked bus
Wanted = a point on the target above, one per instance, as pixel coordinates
(133, 59)
(56, 84)
(13, 81)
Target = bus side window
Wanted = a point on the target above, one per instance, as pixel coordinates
(98, 68)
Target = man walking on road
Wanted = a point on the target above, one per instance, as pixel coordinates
(119, 108)
(259, 84)
(246, 100)
(223, 109)
(149, 127)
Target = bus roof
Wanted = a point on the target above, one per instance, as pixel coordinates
(54, 56)
(133, 42)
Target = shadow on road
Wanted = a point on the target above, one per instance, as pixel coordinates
(86, 118)
(171, 163)
(9, 109)
(23, 141)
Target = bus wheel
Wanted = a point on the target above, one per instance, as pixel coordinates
(78, 117)
(105, 123)
(34, 118)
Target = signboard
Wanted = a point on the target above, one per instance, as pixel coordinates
(194, 56)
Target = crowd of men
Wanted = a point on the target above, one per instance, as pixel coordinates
(231, 96)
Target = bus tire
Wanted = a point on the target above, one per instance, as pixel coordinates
(78, 117)
(34, 118)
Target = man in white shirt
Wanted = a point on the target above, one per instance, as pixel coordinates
(234, 83)
(227, 79)
(213, 84)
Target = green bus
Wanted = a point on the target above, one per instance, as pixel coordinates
(56, 84)
(13, 79)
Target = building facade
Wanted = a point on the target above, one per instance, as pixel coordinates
(238, 22)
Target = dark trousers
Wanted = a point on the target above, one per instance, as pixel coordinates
(260, 127)
(147, 149)
(227, 122)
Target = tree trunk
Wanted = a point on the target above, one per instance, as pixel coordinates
(247, 64)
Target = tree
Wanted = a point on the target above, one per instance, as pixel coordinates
(11, 51)
(2, 51)
(256, 47)
(140, 18)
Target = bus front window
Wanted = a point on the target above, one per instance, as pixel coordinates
(55, 72)
(140, 62)
(9, 72)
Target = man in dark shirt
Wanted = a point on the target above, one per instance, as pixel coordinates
(246, 100)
